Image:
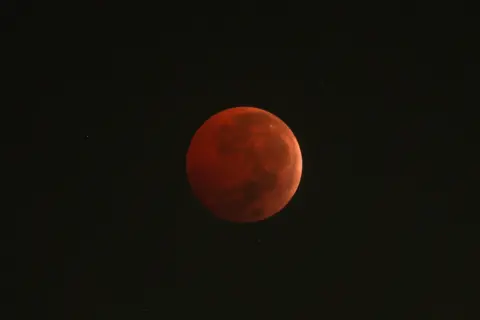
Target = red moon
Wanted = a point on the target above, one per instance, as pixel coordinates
(244, 164)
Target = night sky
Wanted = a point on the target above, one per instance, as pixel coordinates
(379, 226)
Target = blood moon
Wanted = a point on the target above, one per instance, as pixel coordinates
(244, 164)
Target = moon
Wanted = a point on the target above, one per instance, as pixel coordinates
(244, 164)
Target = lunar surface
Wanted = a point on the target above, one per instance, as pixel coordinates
(244, 164)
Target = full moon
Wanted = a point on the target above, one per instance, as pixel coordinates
(244, 164)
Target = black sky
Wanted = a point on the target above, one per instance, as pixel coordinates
(380, 225)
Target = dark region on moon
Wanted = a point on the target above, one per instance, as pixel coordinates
(241, 199)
